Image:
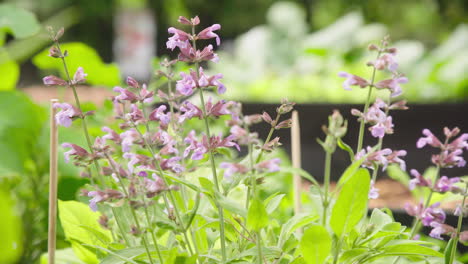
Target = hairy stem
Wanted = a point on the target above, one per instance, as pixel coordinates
(328, 157)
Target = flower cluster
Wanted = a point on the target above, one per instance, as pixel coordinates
(450, 155)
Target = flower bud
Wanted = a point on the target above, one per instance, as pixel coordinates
(285, 107)
(372, 47)
(284, 124)
(132, 82)
(267, 118)
(54, 52)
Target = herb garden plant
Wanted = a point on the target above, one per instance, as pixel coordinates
(169, 184)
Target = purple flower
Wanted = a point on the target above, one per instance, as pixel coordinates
(269, 165)
(352, 79)
(67, 114)
(132, 82)
(429, 139)
(444, 184)
(187, 84)
(98, 196)
(388, 61)
(460, 143)
(172, 164)
(439, 229)
(136, 115)
(218, 142)
(198, 148)
(179, 38)
(232, 168)
(373, 192)
(414, 210)
(128, 137)
(133, 160)
(206, 81)
(449, 159)
(376, 157)
(208, 33)
(145, 95)
(218, 109)
(394, 158)
(159, 115)
(53, 80)
(189, 111)
(393, 85)
(111, 135)
(75, 150)
(125, 95)
(80, 76)
(154, 187)
(192, 22)
(418, 180)
(432, 214)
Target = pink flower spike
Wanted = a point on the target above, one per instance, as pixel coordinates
(75, 150)
(53, 80)
(125, 95)
(418, 180)
(269, 165)
(208, 33)
(80, 76)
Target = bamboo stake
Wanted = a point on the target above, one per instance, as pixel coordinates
(296, 160)
(52, 183)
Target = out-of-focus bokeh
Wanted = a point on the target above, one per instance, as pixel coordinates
(270, 49)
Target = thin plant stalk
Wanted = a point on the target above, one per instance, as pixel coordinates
(53, 169)
(85, 131)
(366, 107)
(459, 226)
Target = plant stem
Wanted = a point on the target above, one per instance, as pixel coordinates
(135, 218)
(459, 226)
(259, 248)
(366, 107)
(328, 157)
(215, 178)
(155, 241)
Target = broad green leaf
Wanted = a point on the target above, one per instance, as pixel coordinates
(349, 256)
(17, 21)
(269, 252)
(21, 123)
(315, 244)
(81, 55)
(77, 219)
(379, 219)
(62, 256)
(230, 205)
(396, 173)
(349, 172)
(273, 202)
(350, 206)
(293, 224)
(206, 183)
(410, 249)
(257, 216)
(10, 229)
(9, 73)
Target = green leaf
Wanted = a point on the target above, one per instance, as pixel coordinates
(410, 249)
(62, 256)
(315, 244)
(346, 148)
(206, 183)
(257, 217)
(379, 219)
(10, 229)
(77, 219)
(448, 251)
(273, 202)
(349, 256)
(293, 224)
(81, 55)
(230, 205)
(9, 73)
(17, 21)
(21, 123)
(351, 203)
(396, 173)
(349, 172)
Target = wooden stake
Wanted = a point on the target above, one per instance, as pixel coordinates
(296, 160)
(52, 182)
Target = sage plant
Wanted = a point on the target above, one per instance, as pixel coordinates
(142, 164)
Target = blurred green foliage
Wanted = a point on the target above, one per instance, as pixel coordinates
(84, 56)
